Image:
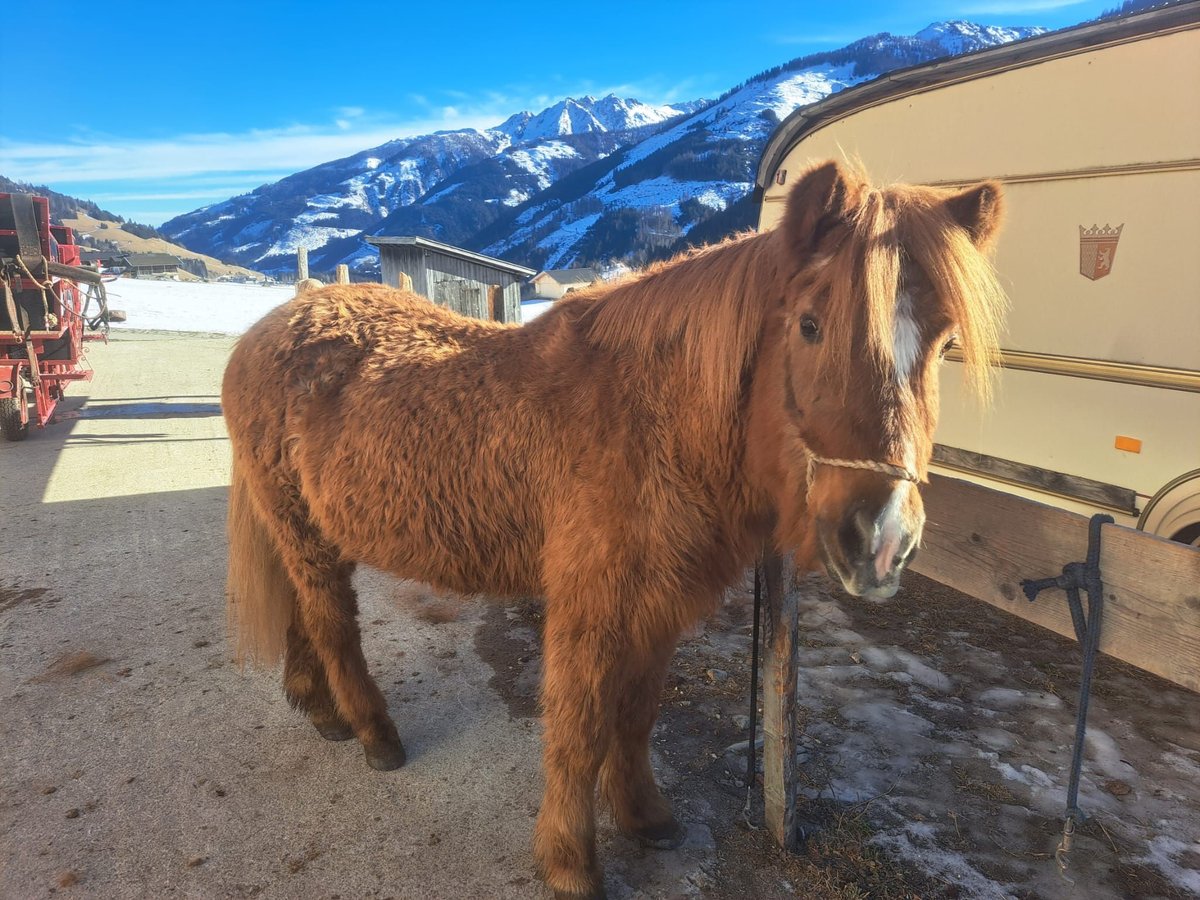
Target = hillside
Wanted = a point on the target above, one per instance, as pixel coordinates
(95, 227)
(89, 230)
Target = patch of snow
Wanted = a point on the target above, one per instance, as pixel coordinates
(216, 307)
(914, 843)
(531, 309)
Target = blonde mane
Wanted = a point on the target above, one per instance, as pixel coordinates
(710, 304)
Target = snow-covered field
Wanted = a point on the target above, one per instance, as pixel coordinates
(193, 306)
(217, 307)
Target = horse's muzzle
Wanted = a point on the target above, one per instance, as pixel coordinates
(867, 554)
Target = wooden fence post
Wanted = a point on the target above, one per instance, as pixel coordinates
(343, 273)
(405, 282)
(779, 698)
(302, 264)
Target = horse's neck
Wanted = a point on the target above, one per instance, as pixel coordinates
(696, 318)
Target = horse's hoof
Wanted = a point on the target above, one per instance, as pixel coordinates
(384, 756)
(661, 836)
(334, 731)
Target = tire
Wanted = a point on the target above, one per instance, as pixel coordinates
(10, 420)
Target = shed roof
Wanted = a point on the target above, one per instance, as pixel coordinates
(449, 250)
(140, 260)
(570, 276)
(946, 70)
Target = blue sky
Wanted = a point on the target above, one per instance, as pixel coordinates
(161, 108)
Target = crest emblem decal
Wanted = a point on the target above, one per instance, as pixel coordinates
(1098, 250)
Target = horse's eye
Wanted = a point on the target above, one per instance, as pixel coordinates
(948, 346)
(810, 329)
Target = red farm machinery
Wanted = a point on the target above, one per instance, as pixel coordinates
(51, 304)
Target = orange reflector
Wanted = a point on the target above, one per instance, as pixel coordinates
(1133, 445)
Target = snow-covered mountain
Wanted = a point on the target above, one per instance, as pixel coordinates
(691, 183)
(587, 114)
(326, 208)
(585, 181)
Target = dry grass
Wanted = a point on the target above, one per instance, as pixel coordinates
(965, 783)
(134, 244)
(70, 664)
(68, 879)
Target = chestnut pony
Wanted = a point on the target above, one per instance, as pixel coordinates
(625, 456)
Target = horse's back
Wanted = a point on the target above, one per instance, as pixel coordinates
(392, 418)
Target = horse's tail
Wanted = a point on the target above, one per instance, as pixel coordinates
(260, 597)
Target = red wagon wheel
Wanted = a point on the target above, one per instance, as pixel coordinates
(13, 425)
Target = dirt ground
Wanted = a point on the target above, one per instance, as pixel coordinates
(136, 761)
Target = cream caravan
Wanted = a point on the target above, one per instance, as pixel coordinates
(1095, 132)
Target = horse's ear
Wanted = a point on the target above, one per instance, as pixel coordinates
(979, 210)
(822, 198)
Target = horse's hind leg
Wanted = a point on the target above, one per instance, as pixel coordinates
(328, 612)
(626, 779)
(307, 688)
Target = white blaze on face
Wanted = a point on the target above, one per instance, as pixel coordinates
(889, 526)
(906, 338)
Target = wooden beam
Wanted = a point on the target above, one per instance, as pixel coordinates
(343, 273)
(985, 542)
(1073, 487)
(301, 264)
(779, 698)
(496, 302)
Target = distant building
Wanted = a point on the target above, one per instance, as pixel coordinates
(554, 283)
(467, 282)
(139, 265)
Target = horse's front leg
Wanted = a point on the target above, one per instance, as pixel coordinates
(626, 779)
(579, 676)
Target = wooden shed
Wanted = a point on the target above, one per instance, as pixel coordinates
(467, 282)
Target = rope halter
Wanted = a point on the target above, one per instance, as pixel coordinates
(903, 473)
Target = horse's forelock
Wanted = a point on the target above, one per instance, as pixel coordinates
(962, 278)
(861, 281)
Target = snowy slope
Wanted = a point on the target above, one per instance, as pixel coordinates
(747, 116)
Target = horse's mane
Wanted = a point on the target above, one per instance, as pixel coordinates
(708, 304)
